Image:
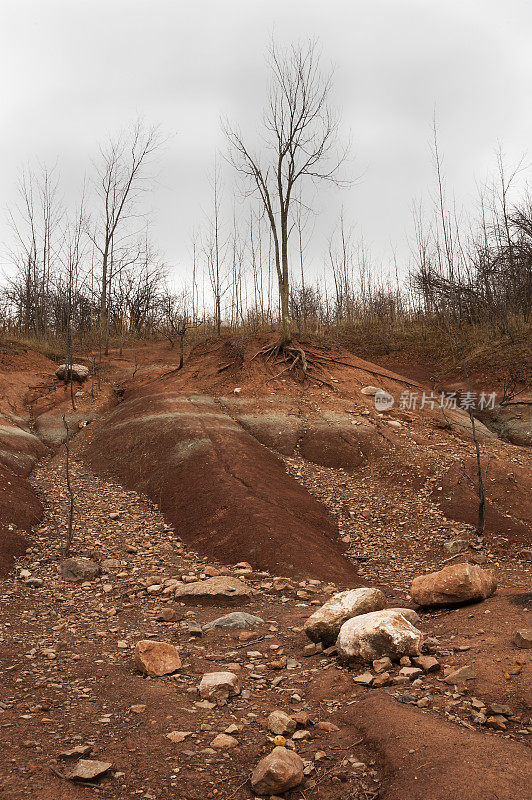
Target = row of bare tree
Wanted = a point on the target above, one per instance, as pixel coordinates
(93, 273)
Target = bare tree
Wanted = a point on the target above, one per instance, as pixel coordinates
(301, 134)
(120, 177)
(176, 321)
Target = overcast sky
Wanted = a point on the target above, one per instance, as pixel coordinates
(74, 71)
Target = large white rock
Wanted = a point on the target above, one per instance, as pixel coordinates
(324, 625)
(381, 633)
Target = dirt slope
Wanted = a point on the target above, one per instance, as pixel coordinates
(227, 495)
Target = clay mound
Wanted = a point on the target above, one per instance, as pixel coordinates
(421, 755)
(509, 501)
(19, 511)
(227, 495)
(425, 757)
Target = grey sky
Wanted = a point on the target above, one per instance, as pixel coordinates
(75, 70)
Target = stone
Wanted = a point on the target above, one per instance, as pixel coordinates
(277, 772)
(376, 635)
(523, 638)
(328, 727)
(178, 736)
(324, 625)
(34, 583)
(498, 709)
(77, 570)
(371, 391)
(238, 620)
(111, 563)
(453, 585)
(218, 591)
(219, 686)
(156, 658)
(455, 546)
(79, 372)
(496, 722)
(88, 770)
(280, 723)
(364, 679)
(409, 614)
(76, 752)
(411, 672)
(224, 742)
(465, 673)
(169, 614)
(194, 628)
(312, 649)
(382, 664)
(427, 663)
(381, 680)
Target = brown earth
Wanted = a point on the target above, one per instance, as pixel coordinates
(289, 477)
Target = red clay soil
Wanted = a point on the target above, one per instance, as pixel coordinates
(421, 755)
(447, 762)
(228, 496)
(509, 503)
(20, 509)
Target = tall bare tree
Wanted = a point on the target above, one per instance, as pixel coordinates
(120, 178)
(301, 135)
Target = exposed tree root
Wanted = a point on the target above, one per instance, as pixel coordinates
(297, 361)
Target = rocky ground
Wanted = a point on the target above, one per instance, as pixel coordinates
(107, 683)
(69, 679)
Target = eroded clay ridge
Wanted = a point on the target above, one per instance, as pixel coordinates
(228, 496)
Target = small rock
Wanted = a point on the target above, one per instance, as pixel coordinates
(427, 663)
(365, 679)
(456, 546)
(497, 709)
(76, 372)
(194, 628)
(219, 686)
(76, 752)
(156, 658)
(280, 723)
(178, 736)
(277, 772)
(88, 770)
(169, 614)
(238, 620)
(34, 583)
(77, 570)
(496, 722)
(465, 673)
(383, 679)
(217, 591)
(382, 664)
(224, 742)
(411, 672)
(523, 638)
